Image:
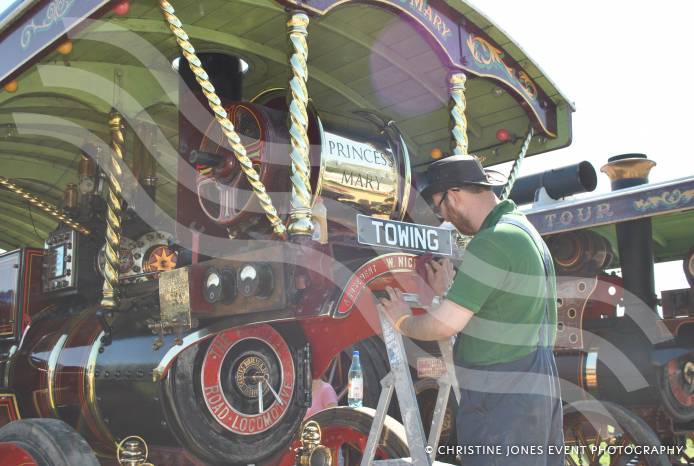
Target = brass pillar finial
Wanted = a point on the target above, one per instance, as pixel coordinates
(114, 206)
(459, 143)
(300, 219)
(220, 115)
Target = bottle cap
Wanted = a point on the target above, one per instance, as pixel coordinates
(355, 353)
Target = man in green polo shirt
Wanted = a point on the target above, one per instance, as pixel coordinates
(502, 306)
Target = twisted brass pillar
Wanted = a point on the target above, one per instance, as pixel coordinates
(459, 143)
(220, 115)
(300, 222)
(516, 166)
(109, 298)
(47, 207)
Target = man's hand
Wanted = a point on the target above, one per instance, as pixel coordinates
(440, 274)
(395, 307)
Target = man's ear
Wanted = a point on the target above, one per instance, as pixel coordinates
(456, 193)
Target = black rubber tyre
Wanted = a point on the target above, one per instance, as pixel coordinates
(50, 441)
(427, 391)
(630, 428)
(203, 436)
(374, 362)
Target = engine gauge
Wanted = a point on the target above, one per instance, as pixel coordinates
(212, 291)
(219, 286)
(255, 280)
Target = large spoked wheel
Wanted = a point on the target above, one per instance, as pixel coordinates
(238, 398)
(50, 442)
(345, 432)
(676, 388)
(684, 454)
(606, 434)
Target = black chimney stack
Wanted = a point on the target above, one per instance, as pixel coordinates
(634, 237)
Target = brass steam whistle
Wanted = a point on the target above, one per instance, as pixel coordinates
(311, 452)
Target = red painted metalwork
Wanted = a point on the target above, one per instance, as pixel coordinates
(334, 438)
(14, 455)
(9, 410)
(20, 290)
(61, 386)
(359, 306)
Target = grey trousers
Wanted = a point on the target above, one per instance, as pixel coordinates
(511, 413)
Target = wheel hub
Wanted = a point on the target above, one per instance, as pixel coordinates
(248, 379)
(251, 372)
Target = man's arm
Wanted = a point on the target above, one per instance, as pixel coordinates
(446, 320)
(440, 322)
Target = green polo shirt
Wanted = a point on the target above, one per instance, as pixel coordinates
(502, 281)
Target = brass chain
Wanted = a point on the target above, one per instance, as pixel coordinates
(220, 115)
(114, 208)
(516, 166)
(47, 207)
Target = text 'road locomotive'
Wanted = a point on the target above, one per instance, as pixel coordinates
(235, 182)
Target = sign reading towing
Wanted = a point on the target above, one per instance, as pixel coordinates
(405, 236)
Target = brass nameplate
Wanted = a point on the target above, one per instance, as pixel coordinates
(174, 299)
(360, 174)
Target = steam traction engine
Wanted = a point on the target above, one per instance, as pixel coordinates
(167, 315)
(613, 342)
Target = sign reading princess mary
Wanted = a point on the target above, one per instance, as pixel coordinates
(404, 236)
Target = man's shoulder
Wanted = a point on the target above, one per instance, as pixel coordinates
(505, 231)
(506, 238)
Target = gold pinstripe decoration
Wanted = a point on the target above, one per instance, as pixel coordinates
(459, 143)
(220, 115)
(47, 207)
(516, 165)
(109, 299)
(300, 223)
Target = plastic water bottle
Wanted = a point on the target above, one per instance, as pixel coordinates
(355, 392)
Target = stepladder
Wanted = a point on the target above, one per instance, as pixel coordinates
(422, 449)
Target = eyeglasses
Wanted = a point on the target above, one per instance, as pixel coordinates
(437, 209)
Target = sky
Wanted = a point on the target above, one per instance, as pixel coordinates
(625, 65)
